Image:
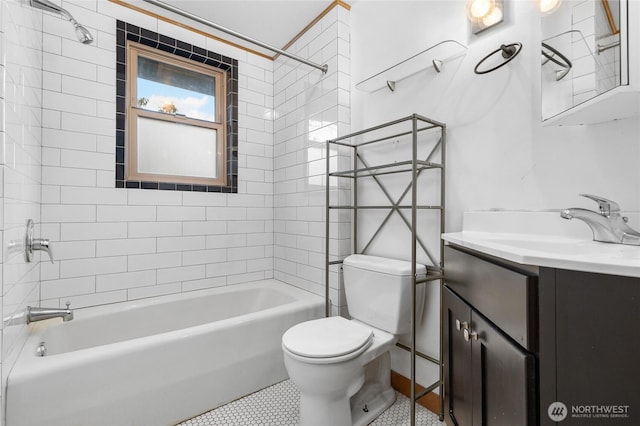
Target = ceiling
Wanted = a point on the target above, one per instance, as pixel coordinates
(274, 22)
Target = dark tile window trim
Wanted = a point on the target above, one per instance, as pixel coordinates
(124, 32)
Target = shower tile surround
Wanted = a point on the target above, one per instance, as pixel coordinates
(20, 177)
(115, 244)
(127, 32)
(311, 108)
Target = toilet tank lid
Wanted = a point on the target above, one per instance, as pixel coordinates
(382, 265)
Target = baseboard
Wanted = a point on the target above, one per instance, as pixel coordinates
(430, 401)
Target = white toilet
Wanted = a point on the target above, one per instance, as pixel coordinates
(342, 367)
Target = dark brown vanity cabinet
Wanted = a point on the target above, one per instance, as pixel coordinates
(527, 345)
(489, 380)
(589, 351)
(458, 378)
(489, 372)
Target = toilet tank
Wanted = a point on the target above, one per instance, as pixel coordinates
(378, 292)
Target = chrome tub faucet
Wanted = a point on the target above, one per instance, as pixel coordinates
(41, 314)
(607, 225)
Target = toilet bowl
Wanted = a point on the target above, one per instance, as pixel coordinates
(342, 367)
(342, 370)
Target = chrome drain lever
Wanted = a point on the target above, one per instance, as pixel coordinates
(41, 350)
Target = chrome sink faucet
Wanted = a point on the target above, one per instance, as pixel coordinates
(607, 225)
(41, 314)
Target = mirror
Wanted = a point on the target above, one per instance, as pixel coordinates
(580, 53)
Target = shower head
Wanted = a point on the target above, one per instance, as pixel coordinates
(81, 32)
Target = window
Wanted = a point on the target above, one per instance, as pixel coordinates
(176, 119)
(177, 112)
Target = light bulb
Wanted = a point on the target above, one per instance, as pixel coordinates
(479, 9)
(549, 6)
(493, 18)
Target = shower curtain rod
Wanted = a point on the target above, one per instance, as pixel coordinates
(191, 16)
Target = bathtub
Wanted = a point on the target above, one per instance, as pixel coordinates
(156, 361)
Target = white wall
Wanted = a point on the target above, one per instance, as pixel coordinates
(498, 154)
(20, 118)
(121, 244)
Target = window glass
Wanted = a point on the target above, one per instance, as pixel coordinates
(176, 149)
(170, 89)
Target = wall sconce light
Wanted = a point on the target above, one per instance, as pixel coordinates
(485, 14)
(549, 6)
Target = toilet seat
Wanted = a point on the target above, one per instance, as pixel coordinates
(327, 340)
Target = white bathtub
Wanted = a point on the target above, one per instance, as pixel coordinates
(157, 361)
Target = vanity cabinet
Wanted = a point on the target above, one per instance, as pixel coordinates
(589, 354)
(522, 340)
(489, 377)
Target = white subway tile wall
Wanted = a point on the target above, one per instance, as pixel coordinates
(309, 109)
(58, 109)
(121, 244)
(20, 177)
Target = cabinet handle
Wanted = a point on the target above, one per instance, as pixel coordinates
(468, 335)
(462, 325)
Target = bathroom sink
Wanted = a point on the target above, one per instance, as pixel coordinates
(556, 252)
(564, 246)
(544, 239)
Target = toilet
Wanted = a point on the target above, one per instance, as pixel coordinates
(342, 367)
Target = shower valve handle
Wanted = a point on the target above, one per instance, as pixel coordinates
(32, 244)
(42, 244)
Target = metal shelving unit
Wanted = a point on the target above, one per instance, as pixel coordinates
(414, 167)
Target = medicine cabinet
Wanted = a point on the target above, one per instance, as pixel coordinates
(590, 65)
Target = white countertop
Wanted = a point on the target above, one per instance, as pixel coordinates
(564, 249)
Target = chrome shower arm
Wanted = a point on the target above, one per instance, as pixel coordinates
(81, 32)
(50, 7)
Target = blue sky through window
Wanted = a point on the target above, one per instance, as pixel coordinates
(187, 102)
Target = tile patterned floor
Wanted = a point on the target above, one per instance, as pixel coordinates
(278, 406)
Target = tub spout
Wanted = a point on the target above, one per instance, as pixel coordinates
(607, 225)
(41, 314)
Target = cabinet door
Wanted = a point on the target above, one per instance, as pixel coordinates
(457, 361)
(504, 381)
